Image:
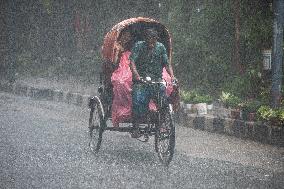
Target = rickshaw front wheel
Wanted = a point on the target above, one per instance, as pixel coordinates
(96, 124)
(165, 137)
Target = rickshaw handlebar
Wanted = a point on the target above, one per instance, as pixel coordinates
(148, 80)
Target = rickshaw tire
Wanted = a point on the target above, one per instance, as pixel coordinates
(172, 141)
(94, 104)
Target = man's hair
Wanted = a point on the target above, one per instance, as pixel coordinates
(151, 33)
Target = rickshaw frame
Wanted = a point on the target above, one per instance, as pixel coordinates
(100, 105)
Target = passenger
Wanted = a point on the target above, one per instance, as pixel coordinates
(121, 80)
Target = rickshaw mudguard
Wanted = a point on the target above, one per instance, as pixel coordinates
(93, 101)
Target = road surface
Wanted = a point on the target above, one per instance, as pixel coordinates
(44, 144)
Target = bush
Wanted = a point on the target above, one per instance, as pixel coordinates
(230, 100)
(274, 116)
(246, 85)
(193, 97)
(202, 99)
(251, 106)
(188, 96)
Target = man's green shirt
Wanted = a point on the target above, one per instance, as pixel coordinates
(149, 62)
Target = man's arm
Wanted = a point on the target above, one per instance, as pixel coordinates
(170, 71)
(134, 70)
(165, 61)
(133, 58)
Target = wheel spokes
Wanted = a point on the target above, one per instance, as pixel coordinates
(94, 129)
(166, 139)
(164, 144)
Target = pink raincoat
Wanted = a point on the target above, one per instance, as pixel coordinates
(121, 80)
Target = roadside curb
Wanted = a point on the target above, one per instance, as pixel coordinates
(238, 128)
(46, 94)
(256, 131)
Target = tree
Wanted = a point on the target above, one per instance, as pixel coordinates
(277, 53)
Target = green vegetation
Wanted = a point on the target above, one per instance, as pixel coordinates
(204, 37)
(251, 106)
(274, 116)
(230, 101)
(194, 97)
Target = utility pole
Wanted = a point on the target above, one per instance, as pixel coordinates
(277, 53)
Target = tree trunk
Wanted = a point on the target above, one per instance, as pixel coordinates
(277, 53)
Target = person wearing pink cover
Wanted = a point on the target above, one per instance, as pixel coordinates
(121, 80)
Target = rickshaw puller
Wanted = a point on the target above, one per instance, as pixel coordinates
(148, 58)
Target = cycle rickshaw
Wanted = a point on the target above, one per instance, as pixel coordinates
(100, 106)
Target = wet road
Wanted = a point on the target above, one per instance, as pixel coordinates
(45, 145)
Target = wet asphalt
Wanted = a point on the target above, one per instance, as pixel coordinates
(45, 145)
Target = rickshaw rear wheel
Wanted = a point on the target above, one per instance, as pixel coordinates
(165, 137)
(96, 124)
